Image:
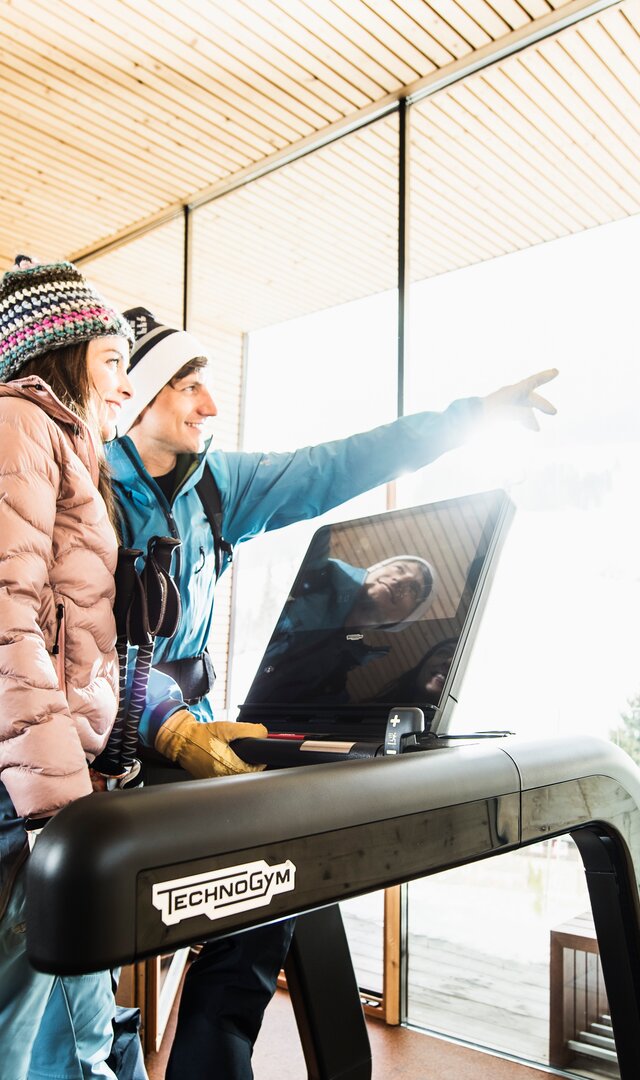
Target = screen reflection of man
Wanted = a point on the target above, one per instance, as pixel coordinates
(334, 594)
(316, 644)
(395, 591)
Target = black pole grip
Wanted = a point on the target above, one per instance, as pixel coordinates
(125, 577)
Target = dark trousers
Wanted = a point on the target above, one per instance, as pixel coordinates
(226, 990)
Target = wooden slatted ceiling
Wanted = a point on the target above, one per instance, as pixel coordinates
(542, 145)
(114, 110)
(144, 273)
(310, 236)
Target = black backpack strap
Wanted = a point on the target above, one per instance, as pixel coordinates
(124, 528)
(210, 498)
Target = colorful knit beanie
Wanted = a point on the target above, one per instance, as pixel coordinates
(158, 354)
(48, 307)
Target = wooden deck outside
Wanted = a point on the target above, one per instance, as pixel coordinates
(479, 943)
(470, 995)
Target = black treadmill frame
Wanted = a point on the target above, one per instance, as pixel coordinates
(349, 828)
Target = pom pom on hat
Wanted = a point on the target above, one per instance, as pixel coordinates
(25, 262)
(44, 307)
(158, 354)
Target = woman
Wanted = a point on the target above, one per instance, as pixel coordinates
(63, 378)
(423, 683)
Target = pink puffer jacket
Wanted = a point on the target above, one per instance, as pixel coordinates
(58, 665)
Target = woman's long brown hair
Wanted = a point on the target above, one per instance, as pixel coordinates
(65, 371)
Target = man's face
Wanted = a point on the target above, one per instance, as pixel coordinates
(177, 419)
(395, 589)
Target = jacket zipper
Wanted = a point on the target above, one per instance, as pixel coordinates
(59, 617)
(58, 649)
(164, 506)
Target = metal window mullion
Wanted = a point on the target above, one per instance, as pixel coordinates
(403, 252)
(186, 266)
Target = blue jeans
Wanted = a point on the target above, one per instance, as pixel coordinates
(75, 1035)
(23, 991)
(65, 1022)
(226, 990)
(62, 1026)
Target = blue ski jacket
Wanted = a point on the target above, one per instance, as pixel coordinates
(259, 492)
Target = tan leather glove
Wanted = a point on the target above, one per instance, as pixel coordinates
(203, 749)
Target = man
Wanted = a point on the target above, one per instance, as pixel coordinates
(157, 467)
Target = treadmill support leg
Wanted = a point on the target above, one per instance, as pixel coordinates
(326, 1000)
(616, 918)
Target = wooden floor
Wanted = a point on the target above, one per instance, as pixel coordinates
(398, 1054)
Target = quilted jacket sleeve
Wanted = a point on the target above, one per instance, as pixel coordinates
(42, 763)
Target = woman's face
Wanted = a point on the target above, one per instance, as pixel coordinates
(433, 673)
(107, 362)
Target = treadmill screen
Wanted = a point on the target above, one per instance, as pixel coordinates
(380, 613)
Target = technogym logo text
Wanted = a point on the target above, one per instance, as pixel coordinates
(223, 892)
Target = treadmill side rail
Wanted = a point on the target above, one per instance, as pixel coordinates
(196, 860)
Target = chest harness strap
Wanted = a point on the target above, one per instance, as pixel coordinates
(212, 505)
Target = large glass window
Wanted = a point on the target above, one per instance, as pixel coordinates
(524, 184)
(299, 269)
(316, 378)
(567, 588)
(479, 942)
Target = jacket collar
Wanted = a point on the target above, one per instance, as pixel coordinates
(128, 468)
(34, 389)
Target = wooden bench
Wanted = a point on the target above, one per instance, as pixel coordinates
(578, 1003)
